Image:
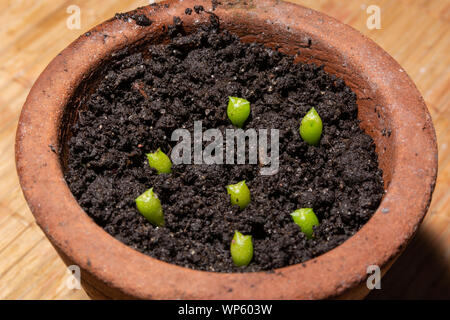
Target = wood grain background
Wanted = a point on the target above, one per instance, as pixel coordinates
(416, 33)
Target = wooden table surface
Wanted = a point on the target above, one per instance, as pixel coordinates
(416, 33)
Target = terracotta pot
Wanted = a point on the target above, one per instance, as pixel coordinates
(388, 103)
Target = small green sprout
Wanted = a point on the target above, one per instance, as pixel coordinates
(149, 206)
(311, 127)
(159, 161)
(239, 194)
(238, 111)
(241, 249)
(306, 219)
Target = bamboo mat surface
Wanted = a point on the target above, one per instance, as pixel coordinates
(416, 33)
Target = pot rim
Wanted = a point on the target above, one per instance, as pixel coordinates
(76, 236)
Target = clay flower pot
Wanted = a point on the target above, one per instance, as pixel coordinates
(390, 107)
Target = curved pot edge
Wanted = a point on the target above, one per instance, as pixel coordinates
(48, 226)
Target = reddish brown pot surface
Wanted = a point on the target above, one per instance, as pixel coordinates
(387, 99)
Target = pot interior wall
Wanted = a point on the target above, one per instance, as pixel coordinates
(375, 118)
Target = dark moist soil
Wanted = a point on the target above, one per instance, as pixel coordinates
(139, 103)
